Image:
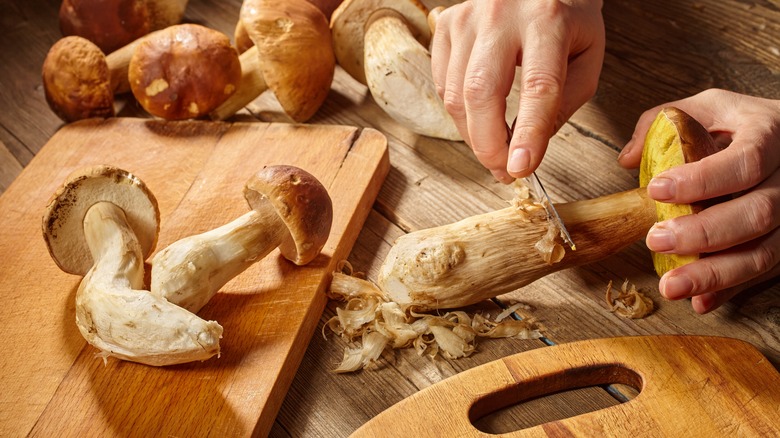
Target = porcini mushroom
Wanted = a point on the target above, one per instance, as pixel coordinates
(673, 139)
(292, 56)
(111, 24)
(80, 81)
(348, 24)
(184, 71)
(291, 210)
(102, 223)
(398, 73)
(487, 255)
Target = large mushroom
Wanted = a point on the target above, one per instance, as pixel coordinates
(102, 223)
(80, 81)
(348, 25)
(184, 71)
(398, 73)
(292, 56)
(111, 24)
(291, 210)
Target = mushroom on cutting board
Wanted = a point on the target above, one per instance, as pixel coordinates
(111, 24)
(80, 81)
(494, 253)
(292, 56)
(184, 71)
(102, 223)
(398, 73)
(291, 210)
(348, 24)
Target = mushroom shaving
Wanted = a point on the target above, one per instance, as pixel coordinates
(381, 325)
(629, 302)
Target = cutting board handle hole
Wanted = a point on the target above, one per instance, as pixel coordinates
(572, 392)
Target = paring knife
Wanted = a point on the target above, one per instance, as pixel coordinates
(535, 184)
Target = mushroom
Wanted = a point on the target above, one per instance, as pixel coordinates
(291, 210)
(292, 55)
(184, 71)
(487, 255)
(102, 223)
(348, 24)
(111, 24)
(80, 81)
(398, 73)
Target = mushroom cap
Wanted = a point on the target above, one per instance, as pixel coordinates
(303, 204)
(111, 24)
(348, 26)
(184, 71)
(63, 220)
(77, 81)
(296, 52)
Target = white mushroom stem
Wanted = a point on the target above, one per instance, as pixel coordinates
(116, 316)
(190, 271)
(118, 63)
(494, 253)
(251, 86)
(398, 73)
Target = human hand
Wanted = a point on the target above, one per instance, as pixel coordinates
(475, 49)
(740, 237)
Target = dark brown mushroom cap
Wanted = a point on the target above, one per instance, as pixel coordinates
(77, 81)
(63, 220)
(301, 201)
(296, 52)
(184, 71)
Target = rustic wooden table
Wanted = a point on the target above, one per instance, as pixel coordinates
(657, 51)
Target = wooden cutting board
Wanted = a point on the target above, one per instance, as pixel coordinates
(52, 382)
(690, 386)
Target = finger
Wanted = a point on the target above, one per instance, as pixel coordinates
(461, 48)
(631, 155)
(581, 82)
(710, 301)
(724, 269)
(487, 82)
(440, 49)
(723, 225)
(545, 54)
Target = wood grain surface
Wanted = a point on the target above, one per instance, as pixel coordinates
(197, 171)
(689, 386)
(657, 51)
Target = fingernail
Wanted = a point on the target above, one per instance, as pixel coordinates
(661, 189)
(502, 177)
(660, 239)
(519, 161)
(703, 303)
(676, 287)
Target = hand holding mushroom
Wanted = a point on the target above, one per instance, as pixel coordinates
(741, 235)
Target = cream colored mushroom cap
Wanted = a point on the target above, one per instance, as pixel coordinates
(303, 204)
(348, 27)
(63, 220)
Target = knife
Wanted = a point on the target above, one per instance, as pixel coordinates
(535, 185)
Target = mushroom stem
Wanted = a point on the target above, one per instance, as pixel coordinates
(251, 85)
(190, 271)
(491, 254)
(115, 315)
(398, 73)
(118, 63)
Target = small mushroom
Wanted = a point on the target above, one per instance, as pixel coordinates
(292, 55)
(291, 210)
(111, 24)
(102, 223)
(80, 81)
(348, 24)
(398, 73)
(184, 71)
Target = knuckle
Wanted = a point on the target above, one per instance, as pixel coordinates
(763, 214)
(477, 91)
(453, 103)
(541, 84)
(754, 163)
(764, 258)
(710, 278)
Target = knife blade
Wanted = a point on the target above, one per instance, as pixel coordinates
(535, 185)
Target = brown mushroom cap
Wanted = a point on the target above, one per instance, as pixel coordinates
(77, 80)
(302, 203)
(111, 24)
(296, 52)
(63, 221)
(348, 26)
(184, 71)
